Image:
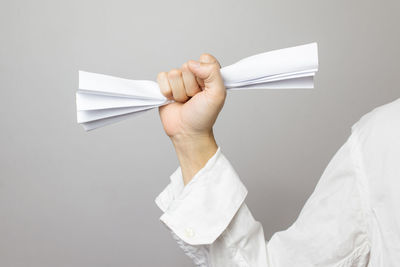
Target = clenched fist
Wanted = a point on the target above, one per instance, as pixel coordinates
(199, 94)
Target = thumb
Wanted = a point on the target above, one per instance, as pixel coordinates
(208, 71)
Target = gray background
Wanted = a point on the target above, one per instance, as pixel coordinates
(71, 198)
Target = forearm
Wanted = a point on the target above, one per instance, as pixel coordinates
(210, 220)
(193, 152)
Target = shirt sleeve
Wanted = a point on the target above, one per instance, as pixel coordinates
(212, 224)
(209, 219)
(332, 228)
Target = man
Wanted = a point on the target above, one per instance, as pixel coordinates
(351, 219)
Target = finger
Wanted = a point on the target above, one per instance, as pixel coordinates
(163, 83)
(177, 86)
(200, 82)
(208, 58)
(210, 74)
(191, 85)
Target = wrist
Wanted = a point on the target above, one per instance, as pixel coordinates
(193, 152)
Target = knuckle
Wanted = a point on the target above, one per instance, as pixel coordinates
(161, 75)
(174, 73)
(185, 66)
(207, 57)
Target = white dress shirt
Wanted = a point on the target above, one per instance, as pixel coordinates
(351, 219)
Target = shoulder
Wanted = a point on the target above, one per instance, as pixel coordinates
(379, 129)
(380, 122)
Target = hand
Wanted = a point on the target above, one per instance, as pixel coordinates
(199, 94)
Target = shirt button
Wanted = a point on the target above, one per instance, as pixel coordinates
(189, 232)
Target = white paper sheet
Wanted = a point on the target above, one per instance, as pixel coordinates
(103, 99)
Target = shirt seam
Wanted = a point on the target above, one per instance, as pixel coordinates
(353, 256)
(234, 250)
(226, 237)
(362, 183)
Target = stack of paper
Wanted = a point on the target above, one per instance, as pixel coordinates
(103, 99)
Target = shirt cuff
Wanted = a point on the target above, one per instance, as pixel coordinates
(199, 212)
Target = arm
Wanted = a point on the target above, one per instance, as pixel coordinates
(204, 204)
(199, 94)
(209, 219)
(194, 153)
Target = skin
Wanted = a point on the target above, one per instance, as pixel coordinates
(199, 94)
